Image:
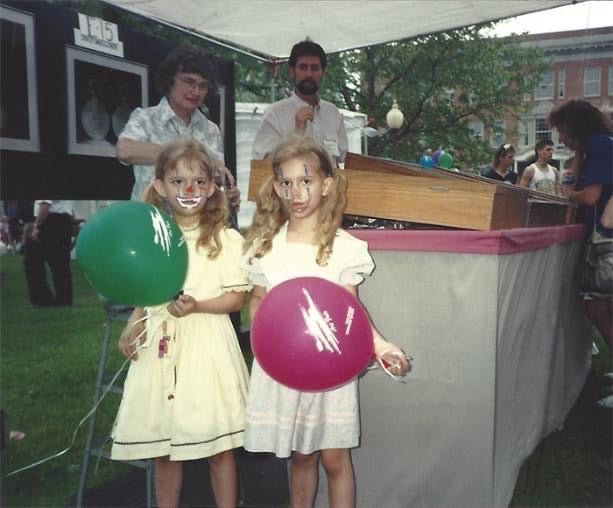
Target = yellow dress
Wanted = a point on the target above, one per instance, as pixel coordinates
(190, 403)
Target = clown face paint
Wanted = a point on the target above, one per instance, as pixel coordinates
(302, 186)
(186, 187)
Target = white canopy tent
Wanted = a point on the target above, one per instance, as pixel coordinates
(267, 29)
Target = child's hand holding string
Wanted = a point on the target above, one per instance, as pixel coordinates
(182, 306)
(133, 335)
(392, 358)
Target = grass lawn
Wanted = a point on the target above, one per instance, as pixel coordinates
(49, 359)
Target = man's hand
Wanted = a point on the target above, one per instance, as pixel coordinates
(303, 115)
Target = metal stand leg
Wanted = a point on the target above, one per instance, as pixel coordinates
(113, 313)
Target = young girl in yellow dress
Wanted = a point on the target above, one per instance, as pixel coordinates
(185, 393)
(296, 233)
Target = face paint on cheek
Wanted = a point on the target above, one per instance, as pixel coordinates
(307, 186)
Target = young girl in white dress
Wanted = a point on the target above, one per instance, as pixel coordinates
(296, 233)
(185, 393)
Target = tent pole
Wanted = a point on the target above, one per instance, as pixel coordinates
(273, 68)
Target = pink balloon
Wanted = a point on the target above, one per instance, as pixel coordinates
(311, 334)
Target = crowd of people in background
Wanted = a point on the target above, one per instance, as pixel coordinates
(587, 181)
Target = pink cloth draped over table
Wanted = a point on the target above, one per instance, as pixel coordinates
(507, 241)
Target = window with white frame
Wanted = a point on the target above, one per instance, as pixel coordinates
(544, 90)
(610, 79)
(561, 83)
(476, 127)
(523, 136)
(541, 129)
(591, 82)
(527, 94)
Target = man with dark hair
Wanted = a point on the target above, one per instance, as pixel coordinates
(184, 78)
(304, 111)
(541, 175)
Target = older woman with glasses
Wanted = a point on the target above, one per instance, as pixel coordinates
(501, 167)
(184, 79)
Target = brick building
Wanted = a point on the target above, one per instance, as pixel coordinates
(582, 68)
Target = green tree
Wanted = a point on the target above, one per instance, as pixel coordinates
(440, 82)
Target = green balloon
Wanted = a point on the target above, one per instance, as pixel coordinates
(445, 161)
(133, 254)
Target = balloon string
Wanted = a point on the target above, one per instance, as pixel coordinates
(93, 409)
(136, 340)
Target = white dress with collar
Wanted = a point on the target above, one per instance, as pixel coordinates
(280, 419)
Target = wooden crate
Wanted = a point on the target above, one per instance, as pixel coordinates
(389, 190)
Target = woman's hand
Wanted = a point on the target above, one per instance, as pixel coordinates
(182, 306)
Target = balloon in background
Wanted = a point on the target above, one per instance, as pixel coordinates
(426, 161)
(445, 161)
(133, 254)
(311, 334)
(435, 156)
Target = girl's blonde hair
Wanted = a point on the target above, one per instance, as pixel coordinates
(214, 216)
(271, 213)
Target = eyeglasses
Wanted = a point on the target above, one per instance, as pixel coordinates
(201, 86)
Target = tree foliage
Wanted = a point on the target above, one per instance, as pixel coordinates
(441, 82)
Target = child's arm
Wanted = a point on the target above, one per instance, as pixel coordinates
(527, 176)
(256, 297)
(223, 304)
(128, 336)
(391, 354)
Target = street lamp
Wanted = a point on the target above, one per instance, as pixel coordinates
(394, 119)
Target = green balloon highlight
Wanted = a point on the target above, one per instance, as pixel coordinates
(445, 161)
(133, 254)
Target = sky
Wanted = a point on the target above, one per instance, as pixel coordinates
(569, 17)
